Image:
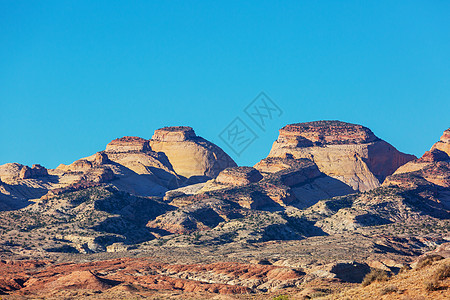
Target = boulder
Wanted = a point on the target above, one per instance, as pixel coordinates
(239, 176)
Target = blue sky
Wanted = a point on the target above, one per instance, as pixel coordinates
(75, 75)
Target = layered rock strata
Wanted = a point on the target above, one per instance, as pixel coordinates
(348, 152)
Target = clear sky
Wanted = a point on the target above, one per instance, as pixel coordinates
(76, 74)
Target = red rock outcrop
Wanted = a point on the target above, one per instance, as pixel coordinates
(434, 155)
(81, 280)
(325, 133)
(19, 278)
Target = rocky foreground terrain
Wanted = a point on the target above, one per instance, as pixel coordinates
(332, 212)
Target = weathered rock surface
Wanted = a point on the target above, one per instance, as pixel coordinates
(128, 143)
(190, 155)
(239, 176)
(444, 143)
(432, 168)
(33, 172)
(347, 152)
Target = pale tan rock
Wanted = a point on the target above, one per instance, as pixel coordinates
(10, 171)
(99, 175)
(128, 143)
(117, 247)
(432, 167)
(347, 152)
(189, 154)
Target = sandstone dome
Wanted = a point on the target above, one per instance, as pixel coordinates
(348, 152)
(189, 154)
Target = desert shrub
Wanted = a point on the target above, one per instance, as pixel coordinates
(281, 297)
(443, 272)
(404, 269)
(432, 285)
(428, 260)
(375, 275)
(389, 289)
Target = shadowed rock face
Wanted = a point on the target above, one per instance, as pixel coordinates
(189, 154)
(444, 142)
(348, 152)
(34, 172)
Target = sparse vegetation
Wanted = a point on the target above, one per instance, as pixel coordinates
(375, 275)
(443, 272)
(428, 260)
(281, 297)
(432, 285)
(388, 290)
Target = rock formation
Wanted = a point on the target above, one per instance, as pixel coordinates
(33, 172)
(347, 152)
(294, 224)
(190, 155)
(239, 176)
(128, 143)
(128, 163)
(444, 143)
(433, 167)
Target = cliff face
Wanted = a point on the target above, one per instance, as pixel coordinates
(348, 152)
(189, 154)
(432, 168)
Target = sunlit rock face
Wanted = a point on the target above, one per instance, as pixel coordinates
(189, 154)
(348, 152)
(432, 168)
